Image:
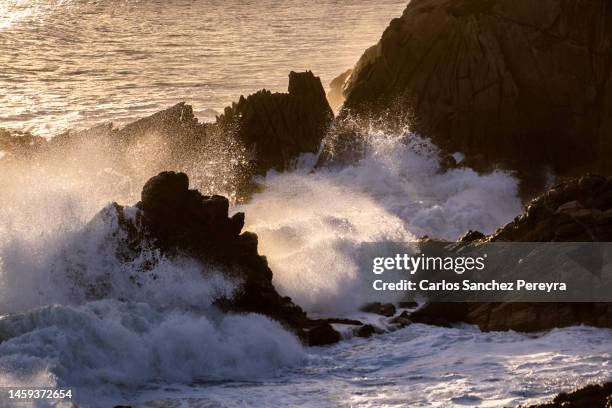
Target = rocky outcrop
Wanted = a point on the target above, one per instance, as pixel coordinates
(522, 83)
(277, 127)
(579, 210)
(180, 221)
(261, 132)
(383, 309)
(591, 396)
(335, 95)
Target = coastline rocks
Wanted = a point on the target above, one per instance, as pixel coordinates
(575, 211)
(180, 221)
(591, 396)
(261, 132)
(335, 95)
(383, 309)
(277, 127)
(579, 210)
(519, 83)
(521, 317)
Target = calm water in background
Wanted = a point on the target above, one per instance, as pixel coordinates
(76, 63)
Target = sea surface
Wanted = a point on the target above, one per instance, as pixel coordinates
(76, 63)
(162, 344)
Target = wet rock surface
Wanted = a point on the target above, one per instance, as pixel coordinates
(180, 221)
(277, 127)
(519, 83)
(575, 211)
(383, 309)
(591, 396)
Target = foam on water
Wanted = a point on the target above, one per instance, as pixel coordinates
(310, 223)
(161, 340)
(78, 315)
(423, 366)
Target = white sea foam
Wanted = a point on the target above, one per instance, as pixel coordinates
(155, 321)
(310, 223)
(106, 346)
(161, 339)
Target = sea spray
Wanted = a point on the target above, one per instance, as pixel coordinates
(312, 221)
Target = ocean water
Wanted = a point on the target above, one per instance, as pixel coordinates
(167, 347)
(162, 344)
(77, 63)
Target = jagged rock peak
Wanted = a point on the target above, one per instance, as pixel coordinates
(278, 127)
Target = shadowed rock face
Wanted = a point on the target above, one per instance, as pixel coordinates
(180, 221)
(522, 82)
(277, 127)
(576, 211)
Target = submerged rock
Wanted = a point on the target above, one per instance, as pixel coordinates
(180, 221)
(517, 82)
(579, 210)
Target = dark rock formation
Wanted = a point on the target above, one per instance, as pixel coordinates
(522, 83)
(591, 396)
(367, 330)
(261, 132)
(277, 127)
(335, 95)
(383, 309)
(178, 220)
(579, 210)
(522, 317)
(321, 335)
(402, 320)
(472, 236)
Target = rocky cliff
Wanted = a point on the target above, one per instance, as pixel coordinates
(518, 82)
(579, 210)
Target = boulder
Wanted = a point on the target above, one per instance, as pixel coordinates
(402, 320)
(180, 221)
(519, 83)
(383, 309)
(321, 335)
(277, 127)
(365, 331)
(578, 210)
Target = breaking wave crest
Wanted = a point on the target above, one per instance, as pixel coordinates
(311, 221)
